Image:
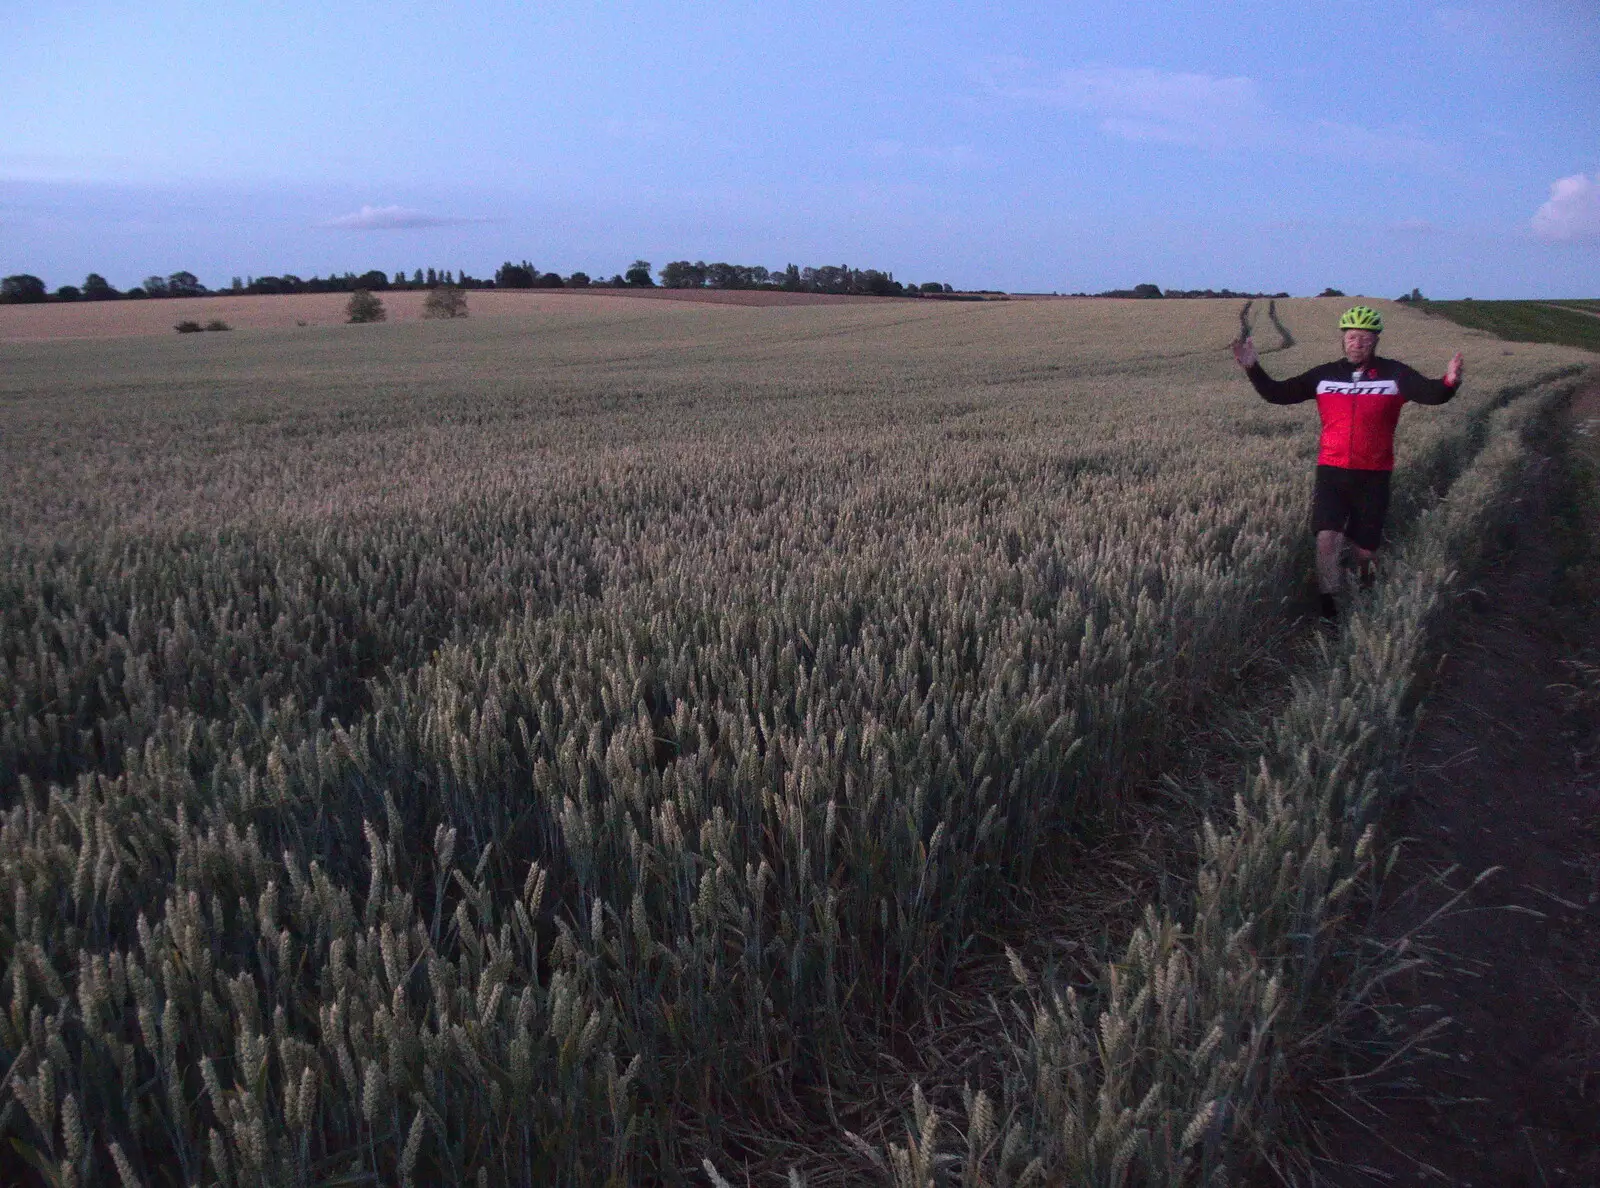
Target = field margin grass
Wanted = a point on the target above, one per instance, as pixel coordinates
(1565, 323)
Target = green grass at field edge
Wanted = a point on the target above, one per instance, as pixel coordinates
(1566, 323)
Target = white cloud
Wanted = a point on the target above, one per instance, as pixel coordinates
(1573, 211)
(1141, 104)
(388, 218)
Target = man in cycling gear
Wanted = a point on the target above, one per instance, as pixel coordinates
(1359, 398)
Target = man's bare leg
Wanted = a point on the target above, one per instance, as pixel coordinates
(1330, 551)
(1366, 566)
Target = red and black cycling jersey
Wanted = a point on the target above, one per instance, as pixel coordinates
(1360, 406)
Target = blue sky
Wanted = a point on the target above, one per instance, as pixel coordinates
(1281, 146)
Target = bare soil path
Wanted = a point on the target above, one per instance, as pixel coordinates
(1506, 775)
(1593, 313)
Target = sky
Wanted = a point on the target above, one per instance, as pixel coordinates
(1374, 146)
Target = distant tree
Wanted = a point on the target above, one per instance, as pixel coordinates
(578, 280)
(1147, 290)
(95, 288)
(155, 286)
(829, 278)
(287, 283)
(548, 280)
(399, 279)
(375, 281)
(515, 276)
(680, 274)
(68, 293)
(932, 287)
(135, 293)
(416, 277)
(638, 275)
(364, 306)
(1331, 293)
(446, 301)
(22, 289)
(184, 284)
(879, 284)
(433, 278)
(726, 276)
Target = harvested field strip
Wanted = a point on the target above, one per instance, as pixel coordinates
(682, 749)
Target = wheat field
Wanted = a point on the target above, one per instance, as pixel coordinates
(504, 750)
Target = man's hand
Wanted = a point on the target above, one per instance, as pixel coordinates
(1244, 353)
(1452, 373)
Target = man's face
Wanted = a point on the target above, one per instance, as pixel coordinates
(1359, 346)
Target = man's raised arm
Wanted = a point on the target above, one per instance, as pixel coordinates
(1419, 389)
(1289, 391)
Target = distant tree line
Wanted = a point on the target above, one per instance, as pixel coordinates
(680, 274)
(684, 274)
(26, 289)
(829, 278)
(375, 281)
(1153, 291)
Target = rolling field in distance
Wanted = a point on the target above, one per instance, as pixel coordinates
(518, 747)
(133, 319)
(1570, 323)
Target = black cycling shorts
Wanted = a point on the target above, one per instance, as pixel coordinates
(1352, 502)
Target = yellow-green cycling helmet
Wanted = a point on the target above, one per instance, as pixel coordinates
(1361, 317)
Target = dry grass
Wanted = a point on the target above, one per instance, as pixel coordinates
(539, 747)
(131, 319)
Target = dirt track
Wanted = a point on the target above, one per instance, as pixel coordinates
(1506, 775)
